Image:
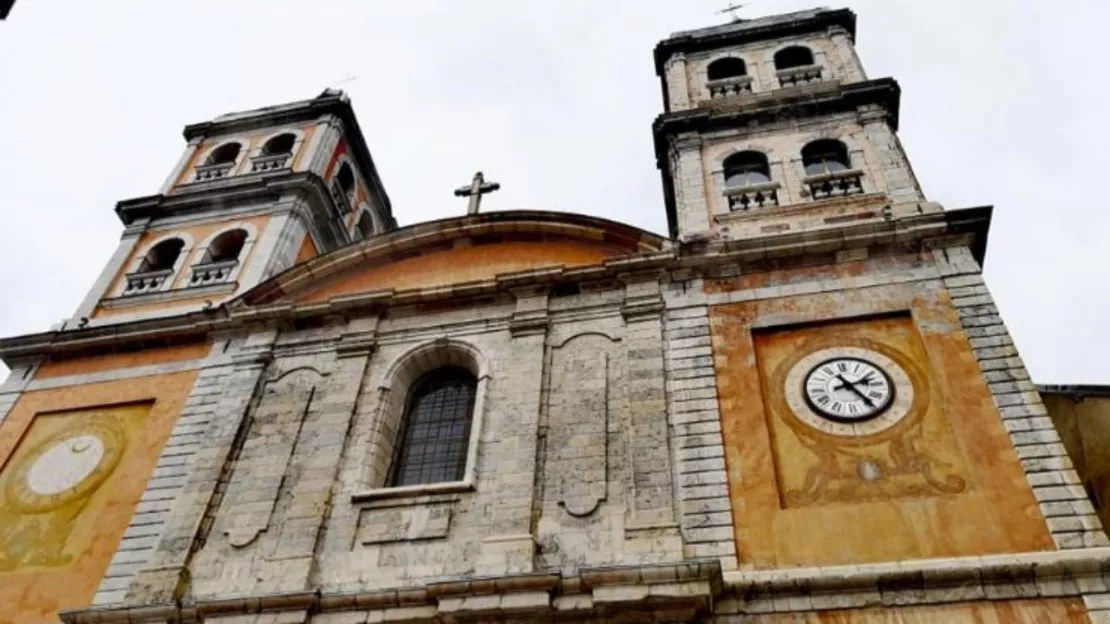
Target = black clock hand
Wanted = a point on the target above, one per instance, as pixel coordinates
(866, 379)
(852, 386)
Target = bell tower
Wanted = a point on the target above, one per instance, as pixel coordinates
(772, 126)
(253, 193)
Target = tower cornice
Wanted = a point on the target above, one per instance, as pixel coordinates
(331, 102)
(258, 188)
(748, 31)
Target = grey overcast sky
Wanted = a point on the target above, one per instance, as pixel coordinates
(1003, 103)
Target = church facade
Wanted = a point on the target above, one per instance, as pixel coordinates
(799, 405)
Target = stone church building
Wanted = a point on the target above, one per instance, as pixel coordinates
(798, 405)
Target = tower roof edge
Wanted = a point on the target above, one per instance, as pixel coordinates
(747, 31)
(330, 101)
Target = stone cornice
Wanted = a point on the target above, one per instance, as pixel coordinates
(747, 31)
(683, 590)
(924, 581)
(688, 587)
(259, 188)
(966, 227)
(330, 102)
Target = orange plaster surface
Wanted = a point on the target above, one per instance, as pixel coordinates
(254, 140)
(307, 250)
(995, 513)
(36, 594)
(1059, 611)
(114, 361)
(200, 233)
(464, 264)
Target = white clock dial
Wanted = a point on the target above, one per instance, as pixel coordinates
(848, 389)
(65, 465)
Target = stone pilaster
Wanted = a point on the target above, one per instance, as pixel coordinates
(187, 519)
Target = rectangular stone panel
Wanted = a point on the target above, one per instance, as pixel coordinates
(404, 523)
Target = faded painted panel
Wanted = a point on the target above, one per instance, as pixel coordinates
(961, 438)
(36, 590)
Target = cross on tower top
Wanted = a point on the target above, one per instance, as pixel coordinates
(478, 187)
(731, 9)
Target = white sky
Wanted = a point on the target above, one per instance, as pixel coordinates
(1003, 103)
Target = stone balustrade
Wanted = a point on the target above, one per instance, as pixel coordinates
(146, 281)
(208, 273)
(834, 184)
(342, 200)
(212, 172)
(272, 162)
(729, 87)
(752, 196)
(800, 75)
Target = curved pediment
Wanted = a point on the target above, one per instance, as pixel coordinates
(464, 250)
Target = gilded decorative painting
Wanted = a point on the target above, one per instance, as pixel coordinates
(852, 416)
(55, 483)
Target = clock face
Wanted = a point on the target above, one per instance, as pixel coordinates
(848, 389)
(67, 466)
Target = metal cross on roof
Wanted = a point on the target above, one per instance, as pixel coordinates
(732, 9)
(478, 187)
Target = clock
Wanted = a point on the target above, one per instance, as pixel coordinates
(66, 466)
(849, 391)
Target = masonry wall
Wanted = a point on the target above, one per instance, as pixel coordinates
(1084, 426)
(687, 75)
(56, 549)
(572, 465)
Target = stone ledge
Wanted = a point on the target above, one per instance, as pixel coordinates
(1076, 572)
(688, 588)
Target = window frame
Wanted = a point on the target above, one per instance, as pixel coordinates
(763, 168)
(393, 390)
(844, 151)
(413, 414)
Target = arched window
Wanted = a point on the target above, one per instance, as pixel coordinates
(345, 178)
(794, 56)
(281, 144)
(162, 257)
(226, 246)
(433, 443)
(224, 154)
(746, 169)
(365, 225)
(728, 67)
(825, 156)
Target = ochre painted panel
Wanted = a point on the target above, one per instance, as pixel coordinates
(915, 456)
(1060, 611)
(307, 250)
(943, 482)
(75, 462)
(464, 264)
(114, 361)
